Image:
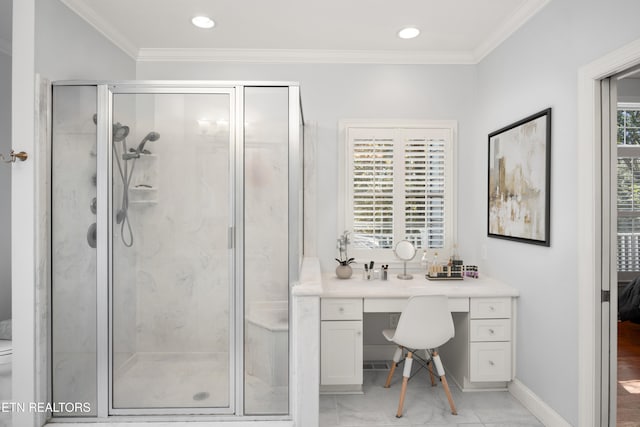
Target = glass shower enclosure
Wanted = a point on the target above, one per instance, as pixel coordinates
(176, 218)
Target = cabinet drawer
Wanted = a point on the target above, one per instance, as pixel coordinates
(491, 330)
(397, 305)
(490, 361)
(490, 308)
(341, 309)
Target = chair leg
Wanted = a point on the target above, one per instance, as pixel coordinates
(396, 359)
(445, 385)
(406, 374)
(430, 369)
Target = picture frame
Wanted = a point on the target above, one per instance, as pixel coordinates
(519, 181)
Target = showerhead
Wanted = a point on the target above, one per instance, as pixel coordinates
(151, 136)
(119, 132)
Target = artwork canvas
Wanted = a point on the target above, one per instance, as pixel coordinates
(519, 180)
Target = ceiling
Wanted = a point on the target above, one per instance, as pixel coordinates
(459, 31)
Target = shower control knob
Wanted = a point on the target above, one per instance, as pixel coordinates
(92, 235)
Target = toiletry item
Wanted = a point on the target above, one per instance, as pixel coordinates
(383, 271)
(424, 261)
(434, 268)
(454, 255)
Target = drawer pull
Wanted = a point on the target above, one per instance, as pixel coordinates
(491, 331)
(491, 363)
(341, 309)
(492, 308)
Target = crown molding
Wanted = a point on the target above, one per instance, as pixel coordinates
(102, 26)
(510, 26)
(499, 35)
(5, 47)
(312, 56)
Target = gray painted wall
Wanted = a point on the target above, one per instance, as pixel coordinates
(629, 90)
(331, 92)
(68, 48)
(5, 187)
(534, 69)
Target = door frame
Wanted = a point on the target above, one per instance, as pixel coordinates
(105, 220)
(592, 234)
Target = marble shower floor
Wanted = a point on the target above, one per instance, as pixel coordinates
(152, 380)
(424, 406)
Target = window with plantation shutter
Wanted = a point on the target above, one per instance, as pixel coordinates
(628, 189)
(399, 185)
(372, 187)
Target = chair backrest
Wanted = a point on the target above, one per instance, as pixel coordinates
(425, 323)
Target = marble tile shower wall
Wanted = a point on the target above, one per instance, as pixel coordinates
(74, 296)
(182, 260)
(266, 221)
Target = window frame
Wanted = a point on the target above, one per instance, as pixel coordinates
(345, 206)
(625, 151)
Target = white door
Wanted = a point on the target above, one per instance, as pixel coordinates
(608, 280)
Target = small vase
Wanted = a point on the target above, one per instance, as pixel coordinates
(344, 271)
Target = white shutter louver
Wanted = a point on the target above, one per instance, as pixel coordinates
(628, 214)
(424, 192)
(373, 192)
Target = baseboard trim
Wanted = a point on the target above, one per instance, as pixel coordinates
(535, 405)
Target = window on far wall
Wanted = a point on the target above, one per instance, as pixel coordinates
(398, 181)
(628, 189)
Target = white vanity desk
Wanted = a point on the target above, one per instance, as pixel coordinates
(327, 322)
(479, 357)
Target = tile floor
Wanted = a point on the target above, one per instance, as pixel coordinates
(424, 406)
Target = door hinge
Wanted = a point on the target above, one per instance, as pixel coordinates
(606, 296)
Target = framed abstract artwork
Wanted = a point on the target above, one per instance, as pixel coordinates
(520, 181)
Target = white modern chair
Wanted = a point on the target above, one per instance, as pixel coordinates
(425, 324)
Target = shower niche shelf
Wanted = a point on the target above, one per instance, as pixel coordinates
(143, 195)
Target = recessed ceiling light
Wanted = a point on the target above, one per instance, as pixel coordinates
(408, 33)
(203, 22)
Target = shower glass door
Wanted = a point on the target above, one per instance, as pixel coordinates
(172, 265)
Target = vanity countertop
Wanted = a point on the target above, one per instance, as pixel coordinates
(327, 285)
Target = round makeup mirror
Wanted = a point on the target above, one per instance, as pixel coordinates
(405, 251)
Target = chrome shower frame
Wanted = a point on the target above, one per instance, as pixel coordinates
(104, 249)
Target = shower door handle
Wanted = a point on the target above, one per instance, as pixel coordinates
(231, 238)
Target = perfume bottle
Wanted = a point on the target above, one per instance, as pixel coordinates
(433, 268)
(424, 261)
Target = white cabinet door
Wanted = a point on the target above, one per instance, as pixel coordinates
(341, 352)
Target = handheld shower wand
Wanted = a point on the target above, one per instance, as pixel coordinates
(135, 153)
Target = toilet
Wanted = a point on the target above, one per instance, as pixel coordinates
(6, 349)
(5, 356)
